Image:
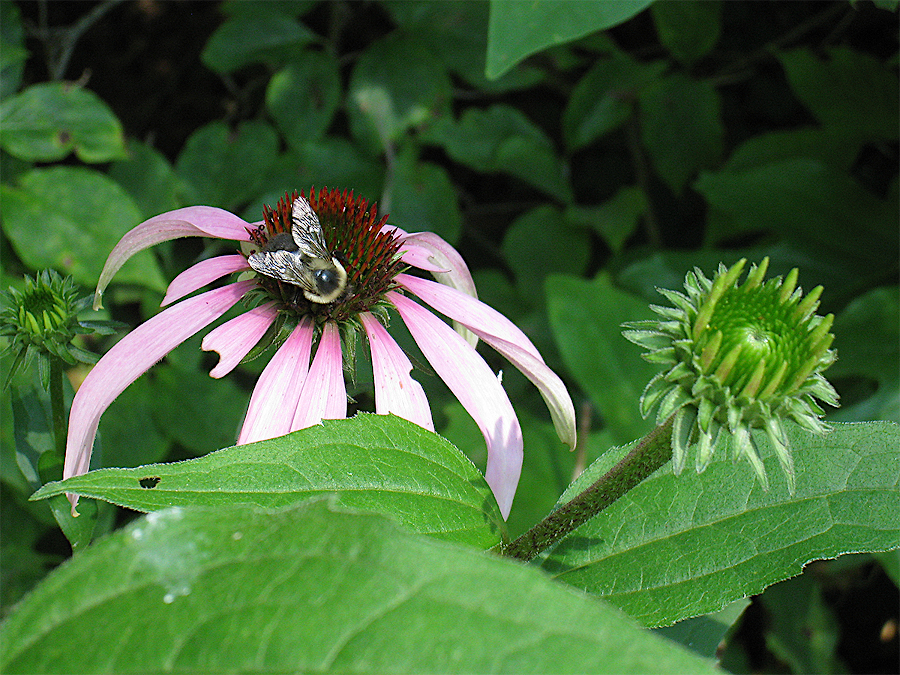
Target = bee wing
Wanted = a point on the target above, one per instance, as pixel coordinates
(307, 231)
(284, 265)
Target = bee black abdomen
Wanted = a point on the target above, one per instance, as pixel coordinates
(283, 241)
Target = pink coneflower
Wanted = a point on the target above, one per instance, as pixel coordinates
(344, 278)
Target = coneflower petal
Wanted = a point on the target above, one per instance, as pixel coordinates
(277, 391)
(192, 221)
(468, 311)
(132, 356)
(447, 265)
(234, 339)
(204, 272)
(324, 395)
(478, 390)
(548, 383)
(395, 391)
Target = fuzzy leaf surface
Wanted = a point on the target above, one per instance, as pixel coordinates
(681, 546)
(313, 589)
(375, 463)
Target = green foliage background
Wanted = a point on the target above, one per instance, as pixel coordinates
(579, 155)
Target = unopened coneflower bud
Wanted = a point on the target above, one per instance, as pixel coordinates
(737, 357)
(42, 318)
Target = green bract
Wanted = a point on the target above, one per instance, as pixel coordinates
(737, 358)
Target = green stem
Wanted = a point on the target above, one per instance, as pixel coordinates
(57, 406)
(654, 450)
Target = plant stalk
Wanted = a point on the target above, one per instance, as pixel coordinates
(57, 406)
(654, 450)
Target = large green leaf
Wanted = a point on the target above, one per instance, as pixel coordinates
(541, 242)
(806, 201)
(850, 90)
(149, 178)
(180, 408)
(587, 317)
(424, 199)
(604, 98)
(376, 463)
(520, 29)
(263, 35)
(226, 169)
(396, 85)
(456, 31)
(12, 49)
(36, 456)
(304, 96)
(503, 139)
(680, 546)
(689, 29)
(835, 146)
(22, 563)
(803, 630)
(70, 218)
(681, 127)
(313, 589)
(868, 332)
(616, 219)
(130, 435)
(322, 162)
(47, 121)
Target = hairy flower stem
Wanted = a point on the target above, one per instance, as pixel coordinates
(654, 450)
(57, 407)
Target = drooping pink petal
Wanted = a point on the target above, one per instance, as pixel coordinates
(421, 257)
(132, 356)
(234, 339)
(204, 272)
(429, 252)
(552, 389)
(504, 336)
(395, 391)
(446, 264)
(415, 255)
(468, 311)
(192, 221)
(478, 390)
(324, 395)
(277, 391)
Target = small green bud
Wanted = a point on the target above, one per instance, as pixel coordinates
(42, 319)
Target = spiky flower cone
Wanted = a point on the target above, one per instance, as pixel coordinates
(737, 358)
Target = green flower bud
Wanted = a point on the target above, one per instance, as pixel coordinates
(42, 318)
(737, 357)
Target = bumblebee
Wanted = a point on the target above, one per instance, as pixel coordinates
(301, 258)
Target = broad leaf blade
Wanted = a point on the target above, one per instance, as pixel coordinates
(501, 138)
(520, 29)
(681, 127)
(223, 168)
(47, 121)
(82, 215)
(376, 463)
(680, 546)
(312, 589)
